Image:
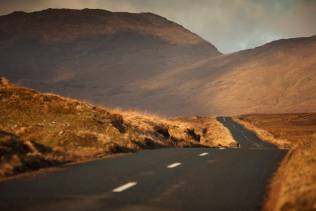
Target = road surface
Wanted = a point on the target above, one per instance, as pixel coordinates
(245, 138)
(163, 179)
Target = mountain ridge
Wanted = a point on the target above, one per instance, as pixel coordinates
(138, 61)
(96, 16)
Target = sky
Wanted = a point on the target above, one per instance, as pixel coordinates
(231, 25)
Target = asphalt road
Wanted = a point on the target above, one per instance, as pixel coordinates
(164, 179)
(246, 138)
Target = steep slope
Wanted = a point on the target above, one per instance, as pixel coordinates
(277, 77)
(94, 54)
(40, 130)
(146, 62)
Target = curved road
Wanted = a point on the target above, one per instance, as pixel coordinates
(164, 179)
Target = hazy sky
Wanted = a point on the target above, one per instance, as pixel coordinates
(231, 25)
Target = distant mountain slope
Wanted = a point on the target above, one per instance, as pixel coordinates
(277, 77)
(94, 54)
(147, 62)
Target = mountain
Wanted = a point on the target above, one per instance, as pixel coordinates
(278, 77)
(94, 54)
(147, 62)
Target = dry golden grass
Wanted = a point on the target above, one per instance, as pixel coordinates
(211, 133)
(39, 130)
(214, 133)
(294, 185)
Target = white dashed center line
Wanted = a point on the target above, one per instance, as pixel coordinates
(173, 165)
(124, 187)
(203, 154)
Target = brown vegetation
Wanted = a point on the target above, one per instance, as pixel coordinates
(39, 130)
(294, 185)
(220, 137)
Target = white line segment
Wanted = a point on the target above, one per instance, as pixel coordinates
(203, 154)
(173, 165)
(124, 187)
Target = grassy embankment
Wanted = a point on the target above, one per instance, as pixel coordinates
(293, 186)
(40, 130)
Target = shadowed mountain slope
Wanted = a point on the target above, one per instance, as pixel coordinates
(147, 62)
(94, 54)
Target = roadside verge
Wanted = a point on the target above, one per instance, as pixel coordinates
(293, 186)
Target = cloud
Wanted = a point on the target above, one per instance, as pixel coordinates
(231, 25)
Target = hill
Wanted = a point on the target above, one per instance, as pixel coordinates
(95, 54)
(278, 77)
(147, 62)
(40, 130)
(274, 78)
